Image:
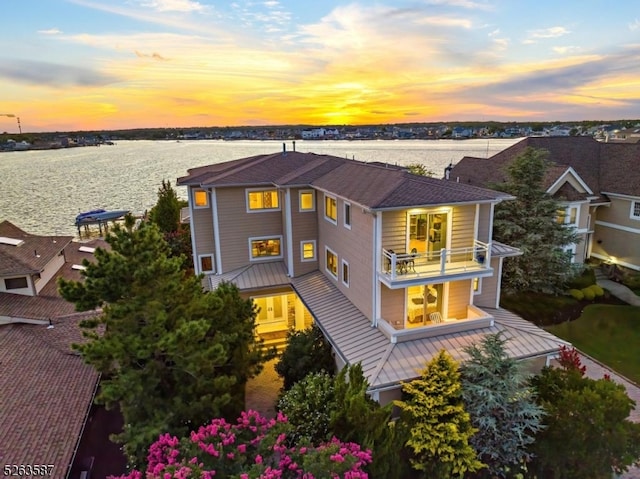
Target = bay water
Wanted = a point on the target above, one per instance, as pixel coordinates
(44, 190)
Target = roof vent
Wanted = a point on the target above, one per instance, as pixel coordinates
(10, 241)
(86, 249)
(78, 267)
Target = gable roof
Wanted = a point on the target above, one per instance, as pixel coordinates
(32, 255)
(604, 167)
(371, 185)
(47, 390)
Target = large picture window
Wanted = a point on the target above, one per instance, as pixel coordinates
(261, 200)
(265, 247)
(331, 264)
(331, 209)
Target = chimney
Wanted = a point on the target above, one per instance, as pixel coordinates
(284, 149)
(447, 171)
(294, 145)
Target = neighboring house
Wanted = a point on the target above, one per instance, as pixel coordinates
(597, 184)
(391, 266)
(46, 389)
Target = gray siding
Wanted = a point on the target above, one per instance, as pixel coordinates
(237, 226)
(392, 305)
(463, 224)
(458, 299)
(608, 241)
(305, 227)
(355, 246)
(203, 225)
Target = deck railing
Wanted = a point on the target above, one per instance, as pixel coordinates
(402, 265)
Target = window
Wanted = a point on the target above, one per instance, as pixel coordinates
(331, 209)
(200, 199)
(307, 201)
(206, 263)
(265, 247)
(259, 200)
(345, 273)
(308, 250)
(332, 263)
(635, 210)
(477, 286)
(567, 216)
(347, 215)
(16, 283)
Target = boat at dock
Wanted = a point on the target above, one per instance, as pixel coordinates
(98, 217)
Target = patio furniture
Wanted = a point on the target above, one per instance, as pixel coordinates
(435, 318)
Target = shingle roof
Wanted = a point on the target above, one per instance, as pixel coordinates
(604, 167)
(46, 390)
(48, 303)
(32, 255)
(367, 184)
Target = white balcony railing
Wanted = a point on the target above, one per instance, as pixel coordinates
(400, 266)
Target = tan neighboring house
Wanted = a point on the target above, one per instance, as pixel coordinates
(46, 390)
(391, 266)
(597, 184)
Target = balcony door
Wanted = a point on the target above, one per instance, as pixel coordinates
(422, 301)
(272, 313)
(428, 233)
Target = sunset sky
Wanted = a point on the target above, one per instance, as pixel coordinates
(117, 64)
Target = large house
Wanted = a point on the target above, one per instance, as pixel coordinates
(392, 267)
(596, 183)
(46, 389)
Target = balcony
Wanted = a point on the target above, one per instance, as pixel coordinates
(401, 269)
(475, 318)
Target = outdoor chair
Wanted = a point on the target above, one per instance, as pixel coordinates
(435, 317)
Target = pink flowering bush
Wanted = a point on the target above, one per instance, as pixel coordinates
(254, 447)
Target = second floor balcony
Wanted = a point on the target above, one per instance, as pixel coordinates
(400, 269)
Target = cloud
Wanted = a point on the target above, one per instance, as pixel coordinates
(174, 5)
(444, 21)
(50, 31)
(552, 32)
(469, 4)
(154, 56)
(566, 49)
(53, 74)
(635, 25)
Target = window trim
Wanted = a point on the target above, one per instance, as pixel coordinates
(16, 278)
(213, 264)
(326, 265)
(315, 251)
(328, 218)
(206, 195)
(632, 214)
(345, 205)
(265, 258)
(261, 210)
(343, 264)
(479, 290)
(313, 201)
(567, 215)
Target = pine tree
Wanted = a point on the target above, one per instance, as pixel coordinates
(529, 223)
(166, 212)
(502, 406)
(171, 355)
(440, 427)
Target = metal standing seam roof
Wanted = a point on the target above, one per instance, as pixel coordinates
(386, 364)
(504, 250)
(254, 276)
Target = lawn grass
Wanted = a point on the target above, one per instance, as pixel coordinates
(608, 333)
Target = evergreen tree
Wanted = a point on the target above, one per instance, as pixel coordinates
(440, 427)
(166, 212)
(529, 223)
(502, 406)
(171, 355)
(307, 352)
(587, 432)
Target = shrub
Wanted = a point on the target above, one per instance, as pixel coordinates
(586, 278)
(577, 294)
(307, 352)
(589, 294)
(597, 290)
